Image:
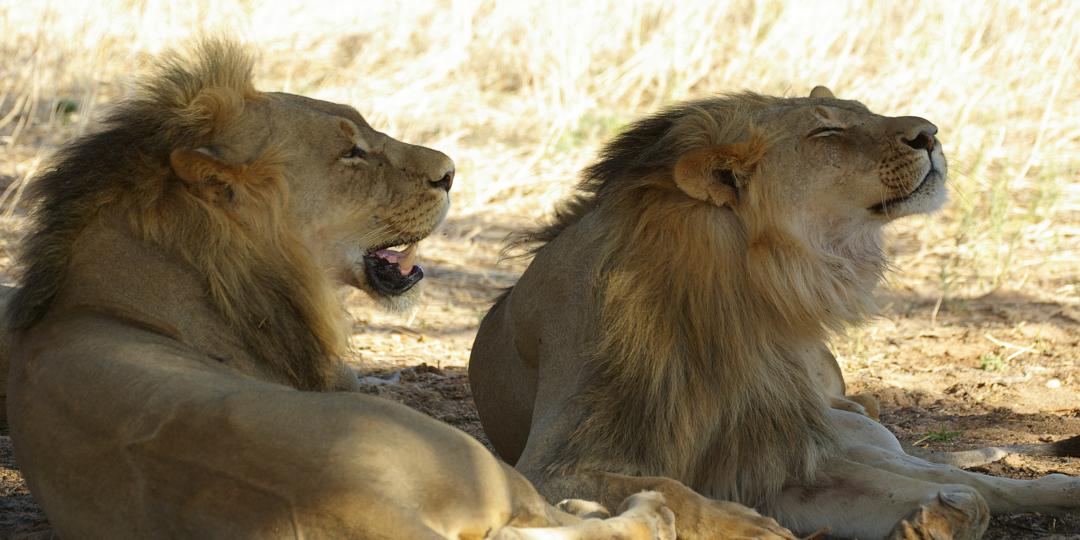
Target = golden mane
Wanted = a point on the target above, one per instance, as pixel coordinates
(712, 345)
(261, 279)
(644, 155)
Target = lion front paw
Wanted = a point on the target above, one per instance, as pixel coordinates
(649, 508)
(948, 515)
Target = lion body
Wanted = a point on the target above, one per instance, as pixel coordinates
(177, 335)
(674, 322)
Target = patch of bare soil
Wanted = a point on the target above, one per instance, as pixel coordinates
(989, 371)
(19, 514)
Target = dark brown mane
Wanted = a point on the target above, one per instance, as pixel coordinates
(123, 169)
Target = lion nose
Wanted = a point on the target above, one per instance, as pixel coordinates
(446, 181)
(918, 134)
(923, 140)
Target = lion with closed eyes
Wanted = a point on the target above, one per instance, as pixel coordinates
(671, 329)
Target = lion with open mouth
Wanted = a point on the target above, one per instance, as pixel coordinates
(177, 333)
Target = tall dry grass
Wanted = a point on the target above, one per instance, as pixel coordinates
(522, 93)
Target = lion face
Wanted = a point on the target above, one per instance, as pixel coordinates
(358, 199)
(853, 165)
(363, 198)
(819, 164)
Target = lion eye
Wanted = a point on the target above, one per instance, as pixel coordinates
(355, 153)
(825, 131)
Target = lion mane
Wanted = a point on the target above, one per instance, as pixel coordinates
(258, 275)
(714, 347)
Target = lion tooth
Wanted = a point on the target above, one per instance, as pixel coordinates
(405, 264)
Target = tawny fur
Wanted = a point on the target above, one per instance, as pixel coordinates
(675, 318)
(713, 347)
(178, 292)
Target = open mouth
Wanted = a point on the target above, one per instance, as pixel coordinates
(883, 207)
(391, 269)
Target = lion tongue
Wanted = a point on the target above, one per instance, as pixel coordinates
(404, 259)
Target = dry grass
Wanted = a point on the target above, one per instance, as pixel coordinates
(522, 93)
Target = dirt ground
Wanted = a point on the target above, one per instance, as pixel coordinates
(983, 371)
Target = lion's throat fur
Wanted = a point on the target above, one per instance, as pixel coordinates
(697, 370)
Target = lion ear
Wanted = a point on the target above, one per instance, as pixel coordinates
(206, 176)
(717, 174)
(821, 92)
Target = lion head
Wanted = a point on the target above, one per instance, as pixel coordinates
(830, 163)
(722, 240)
(804, 185)
(811, 180)
(354, 193)
(271, 198)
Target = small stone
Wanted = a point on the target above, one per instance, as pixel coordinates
(1053, 383)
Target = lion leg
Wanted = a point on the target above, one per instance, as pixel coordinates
(643, 517)
(825, 371)
(853, 500)
(872, 444)
(503, 385)
(696, 516)
(1052, 494)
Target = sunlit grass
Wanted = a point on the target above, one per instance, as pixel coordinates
(522, 93)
